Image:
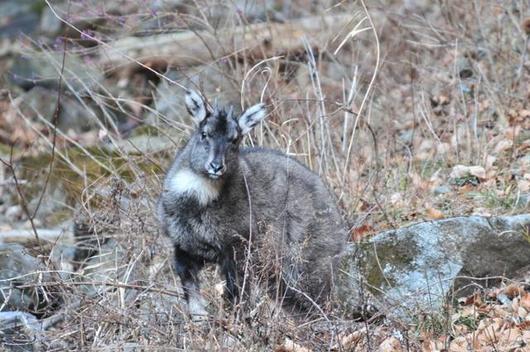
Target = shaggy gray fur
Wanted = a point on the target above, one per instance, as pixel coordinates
(219, 198)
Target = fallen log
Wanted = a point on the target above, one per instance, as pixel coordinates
(26, 235)
(260, 40)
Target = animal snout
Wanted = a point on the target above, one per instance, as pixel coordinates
(216, 168)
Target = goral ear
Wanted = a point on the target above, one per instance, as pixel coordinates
(196, 105)
(251, 117)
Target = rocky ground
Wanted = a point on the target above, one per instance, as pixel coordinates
(413, 111)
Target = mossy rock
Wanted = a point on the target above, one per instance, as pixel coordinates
(417, 269)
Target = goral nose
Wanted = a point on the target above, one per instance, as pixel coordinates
(216, 167)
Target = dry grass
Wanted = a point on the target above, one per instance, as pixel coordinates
(382, 112)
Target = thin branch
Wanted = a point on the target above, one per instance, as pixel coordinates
(368, 91)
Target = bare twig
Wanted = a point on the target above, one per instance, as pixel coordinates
(366, 95)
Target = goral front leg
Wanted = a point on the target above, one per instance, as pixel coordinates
(228, 269)
(237, 289)
(188, 267)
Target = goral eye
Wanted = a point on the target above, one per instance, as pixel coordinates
(203, 135)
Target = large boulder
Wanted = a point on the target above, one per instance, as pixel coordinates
(169, 99)
(24, 276)
(43, 69)
(19, 331)
(18, 17)
(20, 275)
(417, 269)
(39, 105)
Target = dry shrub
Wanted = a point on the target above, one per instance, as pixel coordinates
(384, 137)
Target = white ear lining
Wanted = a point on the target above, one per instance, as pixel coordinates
(195, 105)
(251, 117)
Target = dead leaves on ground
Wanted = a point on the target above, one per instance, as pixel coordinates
(355, 341)
(434, 214)
(488, 324)
(289, 345)
(359, 232)
(496, 321)
(491, 184)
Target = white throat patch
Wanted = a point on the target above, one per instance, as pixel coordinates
(186, 181)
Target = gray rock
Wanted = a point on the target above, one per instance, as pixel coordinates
(168, 104)
(464, 67)
(18, 268)
(405, 136)
(18, 16)
(416, 269)
(43, 69)
(40, 103)
(443, 189)
(106, 266)
(143, 144)
(11, 8)
(49, 23)
(18, 331)
(169, 99)
(21, 331)
(14, 213)
(37, 101)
